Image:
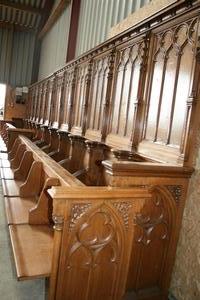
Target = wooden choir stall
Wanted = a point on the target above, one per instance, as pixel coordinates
(94, 200)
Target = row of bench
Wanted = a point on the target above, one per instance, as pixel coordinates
(99, 232)
(32, 209)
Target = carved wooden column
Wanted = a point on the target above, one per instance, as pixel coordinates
(95, 154)
(49, 113)
(38, 110)
(100, 94)
(77, 153)
(81, 95)
(193, 106)
(58, 219)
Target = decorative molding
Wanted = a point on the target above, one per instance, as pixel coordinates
(58, 222)
(77, 211)
(123, 208)
(176, 191)
(148, 11)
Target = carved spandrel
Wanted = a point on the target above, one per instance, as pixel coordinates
(175, 191)
(123, 208)
(77, 211)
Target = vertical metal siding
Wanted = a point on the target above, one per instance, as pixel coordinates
(22, 58)
(5, 53)
(54, 45)
(98, 16)
(16, 57)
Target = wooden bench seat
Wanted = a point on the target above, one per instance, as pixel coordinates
(32, 248)
(17, 209)
(22, 176)
(11, 188)
(28, 210)
(32, 209)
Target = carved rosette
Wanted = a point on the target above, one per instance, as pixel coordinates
(77, 211)
(58, 222)
(123, 209)
(175, 191)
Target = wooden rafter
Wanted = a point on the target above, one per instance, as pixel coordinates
(19, 6)
(53, 17)
(46, 12)
(16, 27)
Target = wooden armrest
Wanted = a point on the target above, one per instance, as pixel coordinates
(32, 249)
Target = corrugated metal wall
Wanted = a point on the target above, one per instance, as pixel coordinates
(22, 58)
(98, 16)
(54, 45)
(6, 37)
(16, 57)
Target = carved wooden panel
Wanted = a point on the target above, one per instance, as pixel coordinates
(58, 95)
(93, 260)
(31, 95)
(48, 101)
(67, 99)
(43, 102)
(82, 85)
(127, 93)
(49, 111)
(100, 90)
(39, 101)
(35, 100)
(170, 84)
(153, 223)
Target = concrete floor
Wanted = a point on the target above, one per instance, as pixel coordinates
(10, 288)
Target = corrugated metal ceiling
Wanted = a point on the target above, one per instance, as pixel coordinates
(25, 13)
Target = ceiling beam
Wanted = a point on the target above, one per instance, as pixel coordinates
(53, 17)
(16, 27)
(46, 12)
(73, 30)
(23, 7)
